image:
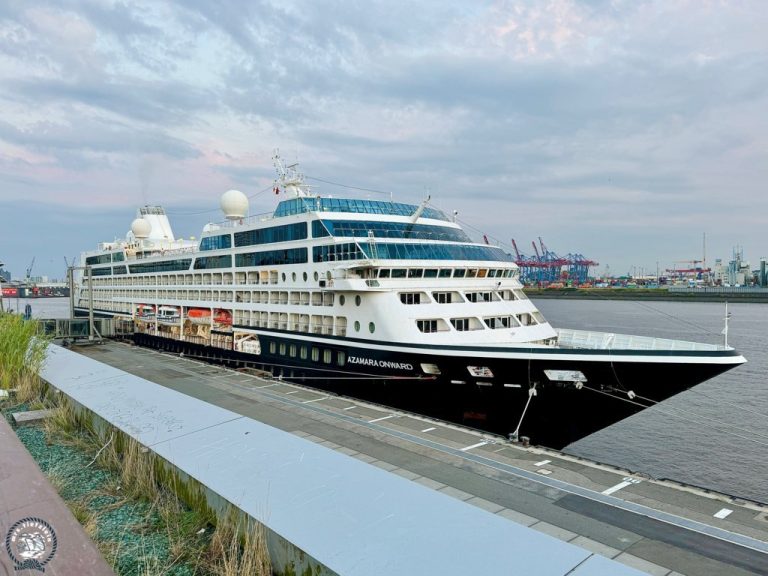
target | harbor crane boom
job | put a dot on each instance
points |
(29, 268)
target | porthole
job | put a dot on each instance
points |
(293, 276)
(357, 326)
(283, 276)
(317, 276)
(342, 299)
(371, 327)
(305, 276)
(358, 300)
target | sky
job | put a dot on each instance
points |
(624, 130)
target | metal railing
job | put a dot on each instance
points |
(607, 341)
(81, 328)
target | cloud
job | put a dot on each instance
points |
(588, 122)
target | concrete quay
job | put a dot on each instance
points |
(655, 527)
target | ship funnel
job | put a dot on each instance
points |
(234, 204)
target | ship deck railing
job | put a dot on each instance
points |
(568, 338)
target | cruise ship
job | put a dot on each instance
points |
(384, 301)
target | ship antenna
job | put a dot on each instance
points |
(289, 179)
(725, 328)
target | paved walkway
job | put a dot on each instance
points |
(658, 527)
(54, 538)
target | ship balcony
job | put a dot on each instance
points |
(585, 339)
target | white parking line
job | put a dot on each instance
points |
(315, 400)
(429, 429)
(483, 443)
(292, 392)
(620, 485)
(724, 513)
(350, 407)
(266, 386)
(382, 418)
(542, 463)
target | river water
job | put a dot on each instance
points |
(715, 435)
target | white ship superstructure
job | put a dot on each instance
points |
(375, 289)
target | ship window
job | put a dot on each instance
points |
(371, 327)
(430, 273)
(384, 273)
(499, 322)
(399, 273)
(342, 299)
(315, 354)
(284, 233)
(272, 347)
(341, 358)
(492, 274)
(480, 297)
(293, 276)
(358, 300)
(362, 229)
(461, 324)
(415, 273)
(292, 351)
(206, 262)
(410, 298)
(303, 353)
(305, 276)
(102, 259)
(482, 273)
(283, 276)
(272, 257)
(327, 356)
(459, 272)
(357, 326)
(472, 272)
(282, 349)
(444, 273)
(427, 325)
(216, 242)
(316, 276)
(446, 297)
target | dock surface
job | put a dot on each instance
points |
(656, 527)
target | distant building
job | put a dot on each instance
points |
(739, 271)
(5, 276)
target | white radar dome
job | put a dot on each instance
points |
(141, 228)
(234, 204)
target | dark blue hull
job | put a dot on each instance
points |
(492, 399)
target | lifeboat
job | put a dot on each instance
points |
(223, 317)
(203, 316)
(145, 311)
(168, 314)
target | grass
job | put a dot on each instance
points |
(118, 490)
(22, 353)
(131, 510)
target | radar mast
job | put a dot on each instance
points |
(289, 180)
